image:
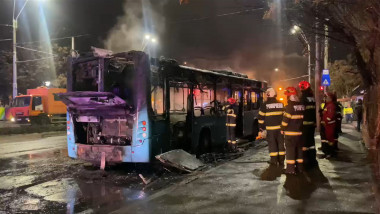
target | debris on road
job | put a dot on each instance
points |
(180, 159)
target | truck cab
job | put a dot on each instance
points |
(39, 106)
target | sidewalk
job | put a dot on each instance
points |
(235, 187)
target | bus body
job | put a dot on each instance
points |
(128, 108)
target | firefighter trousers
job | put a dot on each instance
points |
(310, 152)
(276, 146)
(329, 139)
(294, 153)
(231, 139)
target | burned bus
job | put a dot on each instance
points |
(127, 107)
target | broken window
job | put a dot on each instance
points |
(178, 99)
(158, 100)
(203, 101)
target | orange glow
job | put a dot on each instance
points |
(280, 89)
(282, 99)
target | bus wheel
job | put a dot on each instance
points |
(204, 144)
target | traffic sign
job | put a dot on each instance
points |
(326, 81)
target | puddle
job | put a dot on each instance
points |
(76, 194)
(10, 182)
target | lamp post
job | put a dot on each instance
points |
(14, 26)
(296, 29)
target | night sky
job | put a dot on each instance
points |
(203, 33)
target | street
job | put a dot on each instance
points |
(37, 176)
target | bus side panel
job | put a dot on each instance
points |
(71, 146)
(216, 126)
(141, 139)
(248, 118)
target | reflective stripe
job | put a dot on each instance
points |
(233, 142)
(281, 153)
(272, 154)
(231, 115)
(287, 115)
(228, 141)
(296, 117)
(308, 148)
(275, 113)
(273, 127)
(310, 107)
(299, 160)
(331, 122)
(293, 133)
(290, 161)
(261, 113)
(284, 124)
(230, 124)
(261, 121)
(324, 141)
(308, 122)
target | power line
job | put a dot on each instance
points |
(54, 39)
(294, 78)
(33, 60)
(29, 49)
(4, 40)
(220, 15)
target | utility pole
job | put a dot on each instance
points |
(326, 56)
(14, 85)
(317, 72)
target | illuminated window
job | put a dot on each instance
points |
(158, 100)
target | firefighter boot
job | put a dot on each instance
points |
(290, 169)
(300, 168)
(273, 160)
(281, 160)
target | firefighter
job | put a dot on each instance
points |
(329, 123)
(339, 117)
(309, 124)
(270, 117)
(291, 127)
(231, 111)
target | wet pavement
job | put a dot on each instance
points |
(36, 176)
(341, 185)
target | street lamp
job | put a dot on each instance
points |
(148, 39)
(296, 29)
(276, 69)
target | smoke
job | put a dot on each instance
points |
(139, 18)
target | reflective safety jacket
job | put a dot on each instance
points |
(348, 110)
(270, 114)
(292, 121)
(231, 113)
(309, 116)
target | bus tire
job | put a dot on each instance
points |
(204, 144)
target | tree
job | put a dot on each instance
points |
(32, 74)
(344, 77)
(357, 23)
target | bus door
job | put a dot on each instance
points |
(179, 115)
(207, 124)
(250, 113)
(160, 119)
(237, 95)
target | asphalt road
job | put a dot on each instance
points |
(36, 176)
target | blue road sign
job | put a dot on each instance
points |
(326, 81)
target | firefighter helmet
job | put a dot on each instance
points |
(290, 91)
(304, 85)
(271, 92)
(231, 100)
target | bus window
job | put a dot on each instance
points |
(178, 100)
(202, 101)
(158, 100)
(236, 95)
(246, 100)
(255, 96)
(222, 95)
